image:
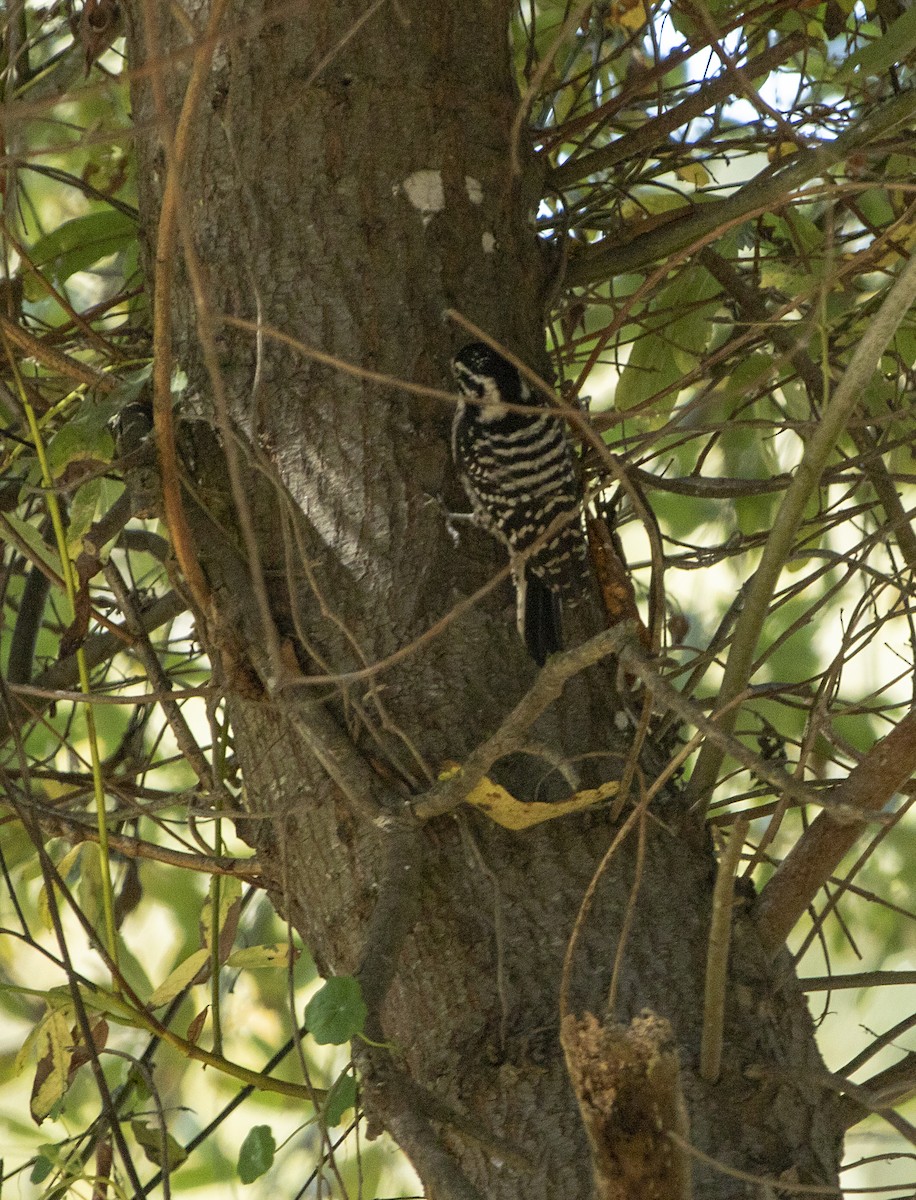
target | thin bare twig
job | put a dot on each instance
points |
(176, 146)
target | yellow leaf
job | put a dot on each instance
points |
(695, 173)
(180, 978)
(251, 957)
(781, 150)
(55, 1050)
(630, 14)
(64, 867)
(26, 1050)
(503, 808)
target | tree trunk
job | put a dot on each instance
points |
(345, 194)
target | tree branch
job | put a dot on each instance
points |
(175, 144)
(393, 1100)
(771, 189)
(815, 856)
(393, 917)
(511, 735)
(856, 979)
(668, 698)
(891, 1086)
(627, 1083)
(184, 738)
(646, 138)
(77, 830)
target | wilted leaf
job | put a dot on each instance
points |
(100, 25)
(630, 14)
(503, 808)
(81, 1052)
(694, 173)
(196, 1026)
(230, 909)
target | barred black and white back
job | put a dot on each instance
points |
(518, 470)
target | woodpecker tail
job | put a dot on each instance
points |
(540, 619)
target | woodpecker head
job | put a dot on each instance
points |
(487, 377)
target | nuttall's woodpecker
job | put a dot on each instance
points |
(517, 467)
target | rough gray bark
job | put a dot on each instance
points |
(295, 198)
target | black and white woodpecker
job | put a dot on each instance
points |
(517, 467)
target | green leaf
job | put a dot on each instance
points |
(336, 1012)
(108, 1003)
(252, 957)
(41, 1169)
(151, 1139)
(749, 374)
(695, 294)
(84, 437)
(878, 56)
(83, 509)
(678, 327)
(180, 978)
(256, 1153)
(650, 369)
(806, 235)
(132, 386)
(341, 1097)
(89, 885)
(76, 245)
(31, 538)
(69, 868)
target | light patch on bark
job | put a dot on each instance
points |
(474, 189)
(489, 242)
(425, 191)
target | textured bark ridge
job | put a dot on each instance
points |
(311, 198)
